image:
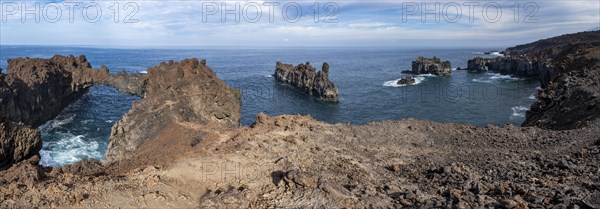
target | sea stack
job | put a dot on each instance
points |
(305, 78)
(433, 66)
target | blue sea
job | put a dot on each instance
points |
(366, 78)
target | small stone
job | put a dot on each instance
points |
(305, 180)
(518, 199)
(396, 168)
(409, 196)
(507, 203)
(559, 206)
(79, 198)
(405, 203)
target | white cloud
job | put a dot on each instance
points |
(180, 23)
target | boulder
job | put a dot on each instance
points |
(407, 81)
(183, 96)
(305, 78)
(431, 66)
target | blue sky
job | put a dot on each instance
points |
(278, 23)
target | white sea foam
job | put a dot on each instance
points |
(418, 79)
(269, 76)
(494, 78)
(482, 80)
(519, 112)
(69, 149)
(427, 75)
(497, 54)
(144, 72)
(56, 123)
(532, 96)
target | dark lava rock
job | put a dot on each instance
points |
(407, 81)
(431, 66)
(34, 91)
(305, 78)
(17, 143)
(133, 84)
(518, 66)
(570, 99)
(568, 68)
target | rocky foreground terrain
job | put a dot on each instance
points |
(192, 157)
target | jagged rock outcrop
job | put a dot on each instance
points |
(517, 66)
(17, 143)
(433, 66)
(572, 97)
(567, 67)
(133, 84)
(305, 78)
(34, 91)
(185, 96)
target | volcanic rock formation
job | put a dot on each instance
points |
(568, 70)
(305, 78)
(430, 66)
(34, 91)
(186, 96)
(17, 143)
(571, 99)
(518, 66)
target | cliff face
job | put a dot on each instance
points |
(572, 98)
(534, 60)
(34, 91)
(17, 143)
(518, 66)
(430, 66)
(568, 70)
(305, 78)
(185, 96)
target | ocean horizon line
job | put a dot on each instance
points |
(225, 47)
